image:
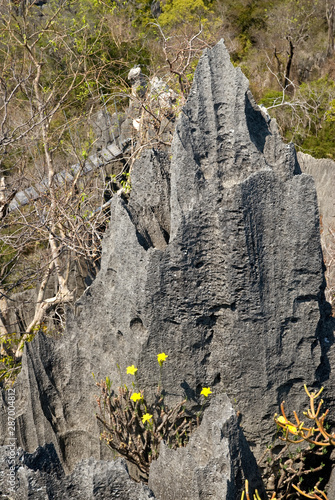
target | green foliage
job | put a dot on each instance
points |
(271, 98)
(320, 145)
(142, 15)
(126, 183)
(307, 117)
(330, 113)
(246, 18)
(180, 11)
(315, 131)
(9, 366)
(7, 257)
(251, 15)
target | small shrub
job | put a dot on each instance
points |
(134, 427)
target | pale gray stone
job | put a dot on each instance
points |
(40, 476)
(213, 465)
(215, 260)
(323, 173)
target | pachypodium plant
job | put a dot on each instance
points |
(316, 434)
(299, 463)
(246, 496)
(134, 428)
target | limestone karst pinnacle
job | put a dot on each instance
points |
(215, 260)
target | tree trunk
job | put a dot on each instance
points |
(330, 13)
(287, 81)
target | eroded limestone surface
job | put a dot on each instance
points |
(215, 260)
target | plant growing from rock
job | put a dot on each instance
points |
(8, 365)
(134, 427)
(246, 496)
(316, 434)
(293, 468)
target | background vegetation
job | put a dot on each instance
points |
(64, 61)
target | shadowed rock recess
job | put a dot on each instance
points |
(216, 261)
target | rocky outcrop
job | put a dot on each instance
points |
(215, 260)
(214, 464)
(19, 310)
(40, 476)
(323, 173)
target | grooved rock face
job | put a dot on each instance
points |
(323, 173)
(215, 260)
(40, 476)
(212, 466)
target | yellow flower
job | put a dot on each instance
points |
(131, 370)
(291, 428)
(282, 420)
(161, 358)
(206, 391)
(146, 417)
(136, 396)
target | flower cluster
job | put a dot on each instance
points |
(135, 428)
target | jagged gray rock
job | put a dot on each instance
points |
(40, 476)
(215, 260)
(323, 173)
(214, 464)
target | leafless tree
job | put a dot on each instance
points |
(35, 136)
(39, 129)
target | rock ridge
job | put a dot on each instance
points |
(215, 260)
